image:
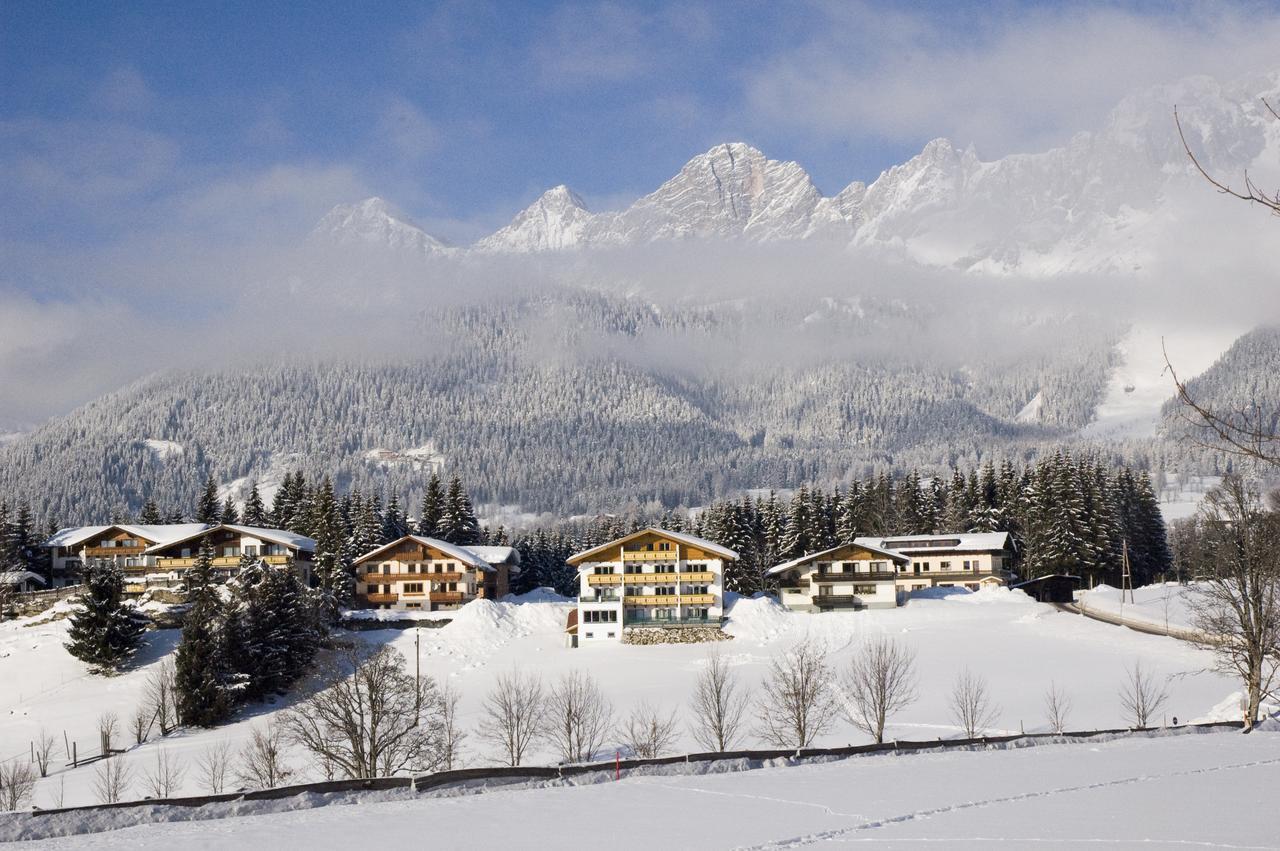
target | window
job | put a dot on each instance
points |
(386, 568)
(848, 567)
(924, 566)
(413, 605)
(879, 566)
(864, 589)
(664, 546)
(230, 551)
(611, 635)
(413, 588)
(251, 551)
(186, 552)
(944, 565)
(602, 569)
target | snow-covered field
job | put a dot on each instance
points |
(1017, 644)
(1166, 606)
(1210, 790)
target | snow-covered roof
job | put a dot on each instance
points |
(509, 556)
(681, 537)
(962, 542)
(804, 559)
(283, 537)
(466, 555)
(166, 533)
(17, 577)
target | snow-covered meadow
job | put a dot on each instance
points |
(1018, 645)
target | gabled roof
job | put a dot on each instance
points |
(285, 538)
(680, 537)
(17, 577)
(804, 559)
(509, 556)
(961, 542)
(166, 533)
(466, 555)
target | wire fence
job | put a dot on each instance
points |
(617, 767)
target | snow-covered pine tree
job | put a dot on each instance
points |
(333, 576)
(150, 515)
(255, 513)
(202, 670)
(458, 524)
(796, 540)
(395, 524)
(432, 509)
(209, 508)
(104, 631)
(230, 514)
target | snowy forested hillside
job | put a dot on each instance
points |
(577, 402)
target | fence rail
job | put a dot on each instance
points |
(427, 782)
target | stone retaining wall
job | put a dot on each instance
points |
(673, 635)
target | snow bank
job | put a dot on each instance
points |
(1162, 606)
(759, 618)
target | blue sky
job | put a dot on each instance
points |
(460, 113)
(161, 161)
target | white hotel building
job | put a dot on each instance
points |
(651, 578)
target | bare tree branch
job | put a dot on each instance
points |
(1251, 191)
(719, 705)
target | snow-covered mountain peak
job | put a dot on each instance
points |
(374, 221)
(558, 219)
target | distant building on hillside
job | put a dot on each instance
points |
(161, 554)
(847, 577)
(420, 573)
(650, 578)
(970, 560)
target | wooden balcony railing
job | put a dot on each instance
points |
(648, 555)
(374, 576)
(219, 561)
(669, 599)
(381, 598)
(843, 601)
(603, 579)
(870, 576)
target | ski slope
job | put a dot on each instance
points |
(1019, 645)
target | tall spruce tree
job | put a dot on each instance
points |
(104, 631)
(333, 576)
(432, 510)
(255, 514)
(458, 524)
(202, 671)
(209, 508)
(150, 515)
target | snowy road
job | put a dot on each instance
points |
(1211, 790)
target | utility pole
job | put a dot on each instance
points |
(1126, 575)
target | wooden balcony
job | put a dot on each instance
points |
(702, 576)
(670, 600)
(647, 555)
(444, 596)
(837, 601)
(603, 579)
(109, 552)
(374, 576)
(870, 576)
(381, 598)
(219, 561)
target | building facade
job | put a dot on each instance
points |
(419, 573)
(160, 555)
(844, 578)
(970, 560)
(650, 578)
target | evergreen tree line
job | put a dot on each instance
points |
(20, 540)
(246, 640)
(1065, 514)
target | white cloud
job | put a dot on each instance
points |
(1018, 82)
(406, 130)
(124, 90)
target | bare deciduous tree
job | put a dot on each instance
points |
(160, 696)
(42, 751)
(647, 733)
(375, 722)
(262, 759)
(1057, 706)
(164, 778)
(1252, 193)
(971, 706)
(796, 703)
(719, 706)
(139, 723)
(17, 780)
(577, 717)
(1236, 604)
(514, 714)
(111, 780)
(108, 728)
(1141, 697)
(880, 681)
(215, 765)
(452, 733)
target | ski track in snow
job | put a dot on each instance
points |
(873, 824)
